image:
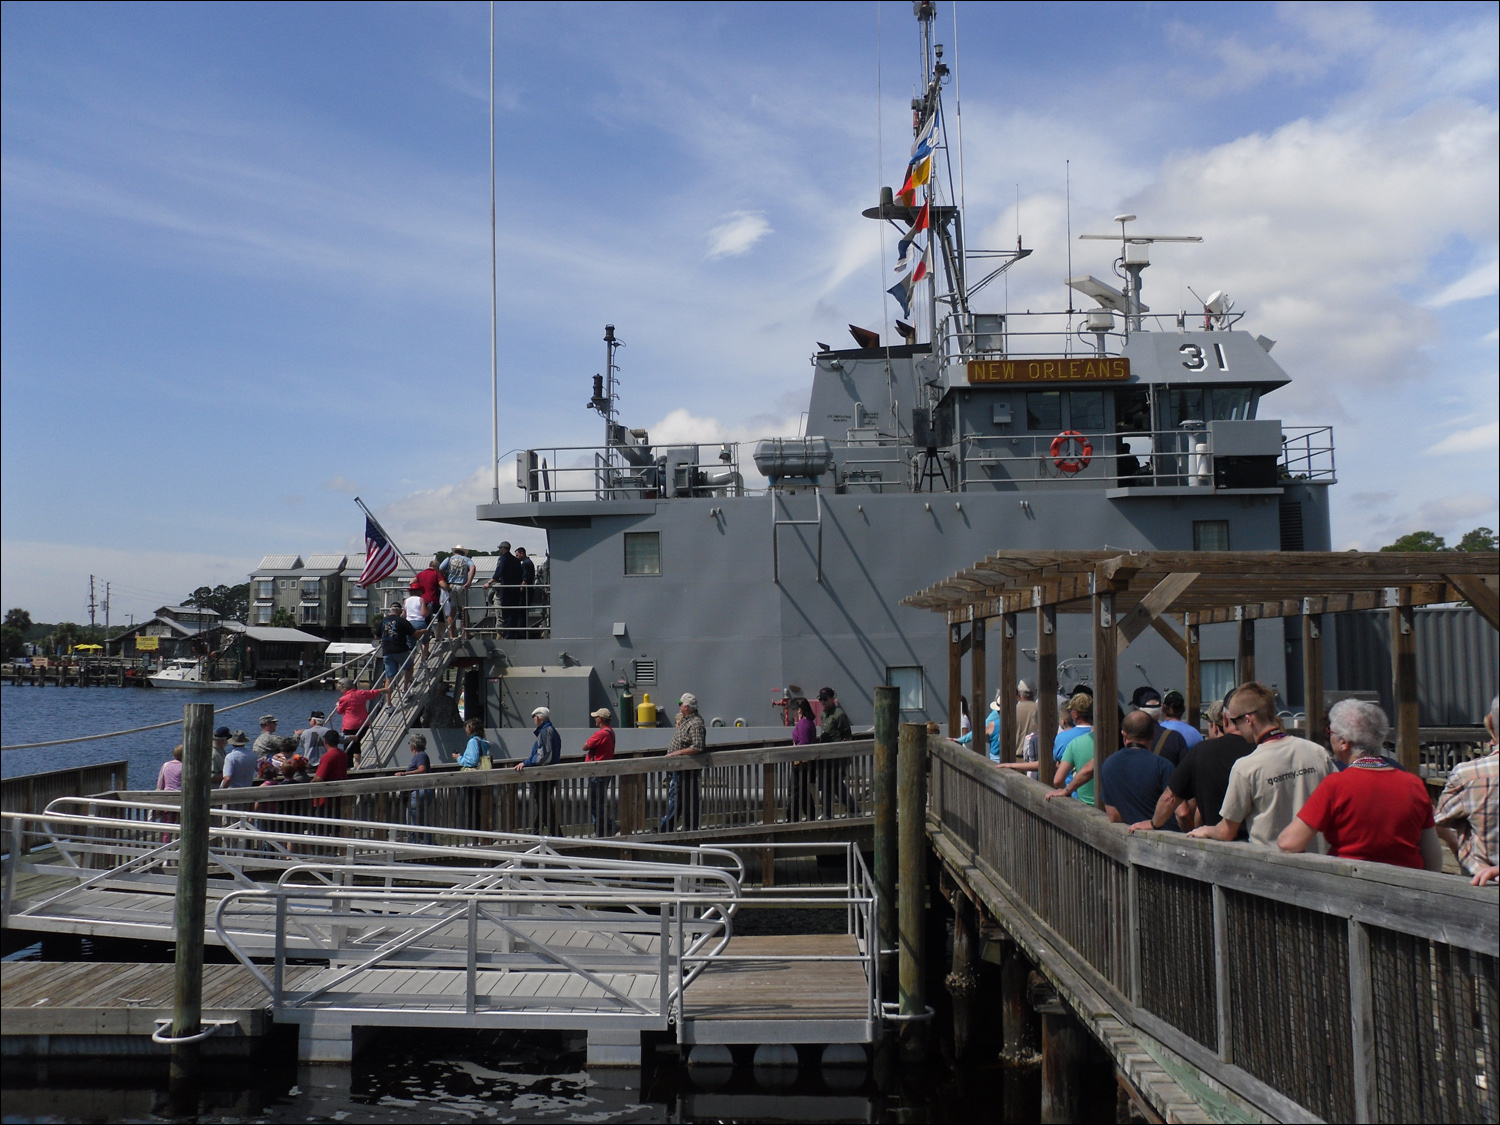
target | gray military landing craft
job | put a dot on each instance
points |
(680, 567)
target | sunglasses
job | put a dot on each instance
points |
(1236, 720)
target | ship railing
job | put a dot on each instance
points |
(629, 472)
(1122, 459)
(484, 611)
(1307, 454)
(801, 792)
(1058, 333)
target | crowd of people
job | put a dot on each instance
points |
(1250, 780)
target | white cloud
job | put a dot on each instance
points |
(1475, 440)
(737, 234)
(341, 483)
(434, 519)
(1483, 281)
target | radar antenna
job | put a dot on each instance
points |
(1135, 255)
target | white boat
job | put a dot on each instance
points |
(187, 673)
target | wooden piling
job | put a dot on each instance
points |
(192, 884)
(1065, 1053)
(1008, 646)
(1019, 1029)
(978, 674)
(1194, 675)
(963, 976)
(955, 675)
(911, 784)
(887, 718)
(1106, 690)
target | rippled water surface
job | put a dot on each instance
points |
(40, 714)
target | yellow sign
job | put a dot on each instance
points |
(1089, 369)
(146, 644)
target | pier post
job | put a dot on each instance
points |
(1312, 672)
(1046, 690)
(887, 712)
(1194, 675)
(1404, 683)
(1244, 668)
(963, 976)
(1065, 1055)
(1019, 1033)
(912, 789)
(1005, 721)
(1106, 689)
(1008, 647)
(978, 674)
(192, 887)
(955, 675)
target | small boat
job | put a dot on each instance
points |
(188, 673)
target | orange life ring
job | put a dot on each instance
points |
(1072, 464)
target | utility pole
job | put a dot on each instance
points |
(91, 604)
(106, 611)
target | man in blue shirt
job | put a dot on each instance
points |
(239, 764)
(1173, 706)
(1133, 778)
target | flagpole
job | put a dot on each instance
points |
(494, 280)
(388, 538)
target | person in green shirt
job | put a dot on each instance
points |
(1078, 760)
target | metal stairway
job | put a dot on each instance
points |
(386, 728)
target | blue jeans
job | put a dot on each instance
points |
(688, 783)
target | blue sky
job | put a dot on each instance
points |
(244, 249)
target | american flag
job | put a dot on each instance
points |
(380, 556)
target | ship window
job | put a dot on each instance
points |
(1230, 403)
(643, 552)
(1086, 411)
(1186, 406)
(1044, 410)
(1216, 678)
(908, 681)
(1210, 535)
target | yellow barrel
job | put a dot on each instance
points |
(645, 712)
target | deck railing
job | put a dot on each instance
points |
(33, 792)
(770, 791)
(1314, 986)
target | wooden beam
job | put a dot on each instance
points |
(1194, 689)
(1244, 668)
(1170, 635)
(1046, 691)
(1009, 644)
(1404, 683)
(1006, 722)
(977, 676)
(1312, 675)
(1106, 690)
(1479, 594)
(955, 675)
(1155, 603)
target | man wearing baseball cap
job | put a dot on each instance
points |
(310, 739)
(265, 742)
(600, 747)
(689, 739)
(546, 750)
(221, 747)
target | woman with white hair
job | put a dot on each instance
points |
(1373, 810)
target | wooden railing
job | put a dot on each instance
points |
(33, 792)
(1313, 986)
(769, 791)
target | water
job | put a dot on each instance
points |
(37, 714)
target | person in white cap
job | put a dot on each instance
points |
(689, 739)
(546, 750)
(600, 747)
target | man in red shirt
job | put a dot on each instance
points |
(1373, 810)
(334, 766)
(600, 747)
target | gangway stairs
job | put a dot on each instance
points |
(374, 927)
(385, 731)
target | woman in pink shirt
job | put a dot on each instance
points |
(801, 800)
(354, 706)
